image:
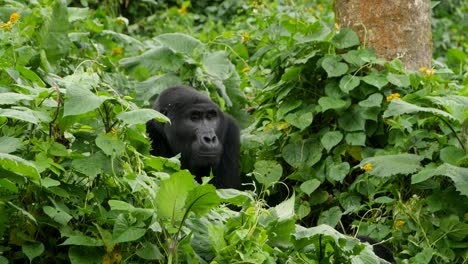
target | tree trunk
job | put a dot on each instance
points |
(393, 28)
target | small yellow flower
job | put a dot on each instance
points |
(399, 223)
(113, 131)
(367, 167)
(426, 71)
(310, 10)
(246, 69)
(6, 26)
(182, 10)
(393, 96)
(117, 51)
(245, 36)
(14, 17)
(320, 7)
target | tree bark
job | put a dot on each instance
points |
(393, 28)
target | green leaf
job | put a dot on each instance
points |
(201, 199)
(19, 166)
(331, 103)
(267, 172)
(399, 80)
(346, 38)
(172, 195)
(32, 250)
(302, 153)
(353, 120)
(155, 85)
(356, 138)
(287, 107)
(233, 196)
(300, 119)
(331, 139)
(110, 144)
(390, 165)
(82, 240)
(154, 60)
(399, 107)
(374, 100)
(330, 217)
(338, 172)
(376, 79)
(349, 82)
(333, 67)
(90, 166)
(149, 251)
(9, 144)
(57, 214)
(14, 98)
(217, 65)
(125, 231)
(26, 115)
(54, 34)
(458, 175)
(8, 185)
(141, 116)
(179, 42)
(75, 101)
(285, 210)
(310, 186)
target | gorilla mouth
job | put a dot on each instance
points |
(207, 154)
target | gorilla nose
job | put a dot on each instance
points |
(209, 139)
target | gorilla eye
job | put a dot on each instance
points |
(195, 116)
(211, 114)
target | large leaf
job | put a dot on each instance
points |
(110, 144)
(32, 250)
(302, 153)
(333, 67)
(172, 195)
(155, 85)
(154, 60)
(458, 175)
(202, 199)
(390, 165)
(81, 100)
(346, 38)
(141, 116)
(267, 172)
(54, 34)
(125, 230)
(349, 82)
(26, 115)
(179, 42)
(376, 79)
(331, 139)
(217, 65)
(19, 166)
(300, 119)
(13, 98)
(399, 107)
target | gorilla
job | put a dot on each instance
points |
(207, 138)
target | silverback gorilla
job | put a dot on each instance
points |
(207, 138)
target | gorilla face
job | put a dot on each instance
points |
(207, 139)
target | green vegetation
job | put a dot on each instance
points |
(335, 141)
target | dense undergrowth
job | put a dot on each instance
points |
(336, 142)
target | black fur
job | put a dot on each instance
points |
(207, 138)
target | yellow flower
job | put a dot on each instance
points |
(310, 10)
(246, 69)
(399, 223)
(367, 167)
(320, 7)
(426, 71)
(117, 51)
(182, 10)
(245, 36)
(6, 26)
(393, 96)
(14, 17)
(113, 131)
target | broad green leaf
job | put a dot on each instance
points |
(331, 139)
(346, 38)
(287, 107)
(338, 172)
(79, 256)
(110, 144)
(300, 119)
(201, 199)
(458, 175)
(8, 185)
(26, 115)
(399, 107)
(310, 186)
(291, 73)
(118, 205)
(330, 217)
(80, 100)
(355, 57)
(125, 231)
(233, 196)
(302, 153)
(154, 60)
(284, 210)
(32, 249)
(332, 103)
(57, 214)
(353, 120)
(19, 166)
(14, 98)
(356, 138)
(374, 100)
(141, 116)
(217, 65)
(30, 75)
(54, 34)
(375, 79)
(90, 166)
(267, 172)
(390, 165)
(349, 82)
(179, 42)
(149, 251)
(399, 80)
(155, 85)
(333, 67)
(172, 195)
(82, 240)
(9, 144)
